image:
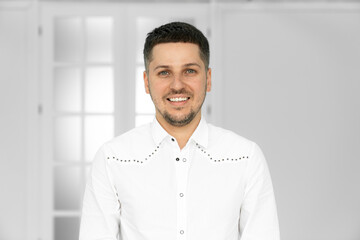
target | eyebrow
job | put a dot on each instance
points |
(192, 64)
(185, 65)
(161, 66)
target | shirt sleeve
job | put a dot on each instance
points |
(101, 208)
(258, 214)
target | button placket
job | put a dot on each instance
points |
(182, 167)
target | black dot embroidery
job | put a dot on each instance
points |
(137, 160)
(222, 159)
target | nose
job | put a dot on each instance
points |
(177, 82)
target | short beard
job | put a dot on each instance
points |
(179, 122)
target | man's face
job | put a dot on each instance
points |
(177, 82)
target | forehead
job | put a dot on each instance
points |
(175, 53)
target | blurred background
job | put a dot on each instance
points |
(286, 74)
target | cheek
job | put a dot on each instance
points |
(157, 89)
(201, 89)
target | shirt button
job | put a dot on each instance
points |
(172, 139)
(181, 194)
(181, 231)
(184, 159)
(177, 159)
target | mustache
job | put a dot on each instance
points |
(181, 91)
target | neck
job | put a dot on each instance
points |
(183, 133)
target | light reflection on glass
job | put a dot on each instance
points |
(68, 39)
(67, 89)
(67, 180)
(99, 39)
(67, 138)
(99, 90)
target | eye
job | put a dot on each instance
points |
(163, 73)
(190, 71)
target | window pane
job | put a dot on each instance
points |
(68, 39)
(67, 139)
(99, 90)
(67, 188)
(99, 32)
(67, 89)
(98, 130)
(66, 228)
(143, 101)
(143, 119)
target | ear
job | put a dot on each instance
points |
(146, 82)
(208, 80)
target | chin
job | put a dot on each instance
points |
(179, 120)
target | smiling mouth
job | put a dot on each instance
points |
(180, 99)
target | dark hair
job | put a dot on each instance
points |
(176, 32)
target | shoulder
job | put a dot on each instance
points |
(141, 133)
(223, 137)
(226, 144)
(131, 144)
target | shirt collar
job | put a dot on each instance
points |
(158, 132)
(200, 135)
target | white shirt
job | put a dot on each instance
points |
(143, 187)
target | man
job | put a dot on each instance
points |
(179, 177)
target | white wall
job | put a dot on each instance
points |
(13, 124)
(291, 82)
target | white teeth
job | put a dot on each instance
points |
(177, 99)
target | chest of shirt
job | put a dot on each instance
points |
(205, 181)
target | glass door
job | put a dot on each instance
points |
(78, 99)
(92, 90)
